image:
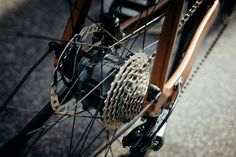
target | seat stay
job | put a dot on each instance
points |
(166, 45)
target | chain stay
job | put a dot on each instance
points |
(205, 57)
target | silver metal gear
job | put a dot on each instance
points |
(126, 94)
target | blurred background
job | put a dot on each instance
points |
(203, 123)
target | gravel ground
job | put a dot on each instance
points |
(202, 124)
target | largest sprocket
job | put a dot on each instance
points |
(126, 94)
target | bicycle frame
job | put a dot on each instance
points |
(161, 61)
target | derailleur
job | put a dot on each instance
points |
(147, 136)
(150, 134)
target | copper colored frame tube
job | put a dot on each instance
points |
(76, 20)
(183, 70)
(166, 45)
(134, 23)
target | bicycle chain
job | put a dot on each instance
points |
(181, 25)
(189, 13)
(207, 53)
(183, 20)
(127, 91)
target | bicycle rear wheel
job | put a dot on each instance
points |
(56, 145)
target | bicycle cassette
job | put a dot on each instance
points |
(126, 94)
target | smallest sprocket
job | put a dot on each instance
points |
(126, 94)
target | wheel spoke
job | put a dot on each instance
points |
(145, 27)
(86, 137)
(125, 127)
(87, 130)
(97, 118)
(51, 124)
(109, 144)
(72, 133)
(96, 137)
(106, 31)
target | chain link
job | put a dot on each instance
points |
(189, 13)
(182, 23)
